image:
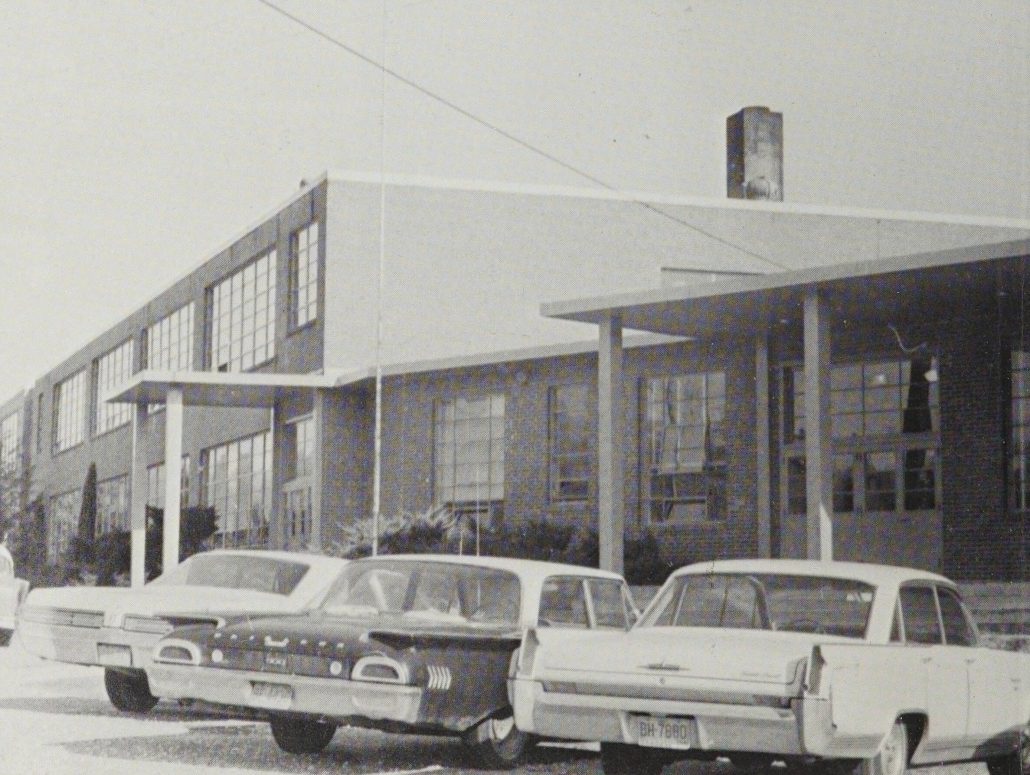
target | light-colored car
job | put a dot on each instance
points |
(118, 627)
(838, 665)
(402, 643)
(12, 593)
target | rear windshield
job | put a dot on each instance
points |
(434, 591)
(261, 574)
(765, 602)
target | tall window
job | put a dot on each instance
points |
(69, 426)
(298, 516)
(109, 370)
(241, 317)
(469, 455)
(63, 523)
(113, 504)
(570, 456)
(236, 480)
(39, 424)
(1019, 455)
(885, 417)
(871, 399)
(684, 422)
(304, 275)
(10, 445)
(10, 461)
(156, 484)
(169, 341)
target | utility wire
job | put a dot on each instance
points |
(508, 135)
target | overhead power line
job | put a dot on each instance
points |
(508, 135)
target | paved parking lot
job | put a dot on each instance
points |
(56, 719)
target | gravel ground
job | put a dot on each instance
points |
(55, 720)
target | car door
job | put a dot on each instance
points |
(992, 702)
(947, 682)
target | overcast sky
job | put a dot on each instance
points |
(138, 137)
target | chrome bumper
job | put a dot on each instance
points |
(104, 646)
(331, 698)
(802, 729)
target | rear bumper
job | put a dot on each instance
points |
(62, 643)
(331, 698)
(103, 646)
(802, 729)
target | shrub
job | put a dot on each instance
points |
(439, 531)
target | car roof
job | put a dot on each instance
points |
(867, 572)
(538, 568)
(278, 554)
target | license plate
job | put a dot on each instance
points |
(114, 655)
(272, 696)
(658, 732)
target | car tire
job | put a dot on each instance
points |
(497, 744)
(301, 735)
(892, 758)
(1015, 763)
(623, 759)
(129, 692)
(5, 637)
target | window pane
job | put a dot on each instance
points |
(920, 612)
(957, 631)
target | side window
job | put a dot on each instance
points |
(919, 607)
(563, 603)
(609, 603)
(957, 631)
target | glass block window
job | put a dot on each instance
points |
(880, 398)
(10, 445)
(113, 504)
(570, 449)
(469, 455)
(69, 423)
(685, 448)
(241, 317)
(304, 275)
(236, 479)
(111, 369)
(62, 524)
(156, 484)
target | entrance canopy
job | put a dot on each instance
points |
(214, 388)
(890, 288)
(175, 390)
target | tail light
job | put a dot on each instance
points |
(527, 653)
(815, 671)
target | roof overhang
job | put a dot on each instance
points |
(753, 301)
(212, 388)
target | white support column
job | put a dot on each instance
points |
(173, 461)
(818, 431)
(138, 502)
(610, 480)
(762, 445)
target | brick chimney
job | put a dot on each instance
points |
(754, 154)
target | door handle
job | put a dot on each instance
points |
(926, 660)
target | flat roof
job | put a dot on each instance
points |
(214, 388)
(722, 302)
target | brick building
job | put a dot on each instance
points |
(785, 373)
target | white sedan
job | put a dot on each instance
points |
(118, 627)
(12, 593)
(807, 663)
